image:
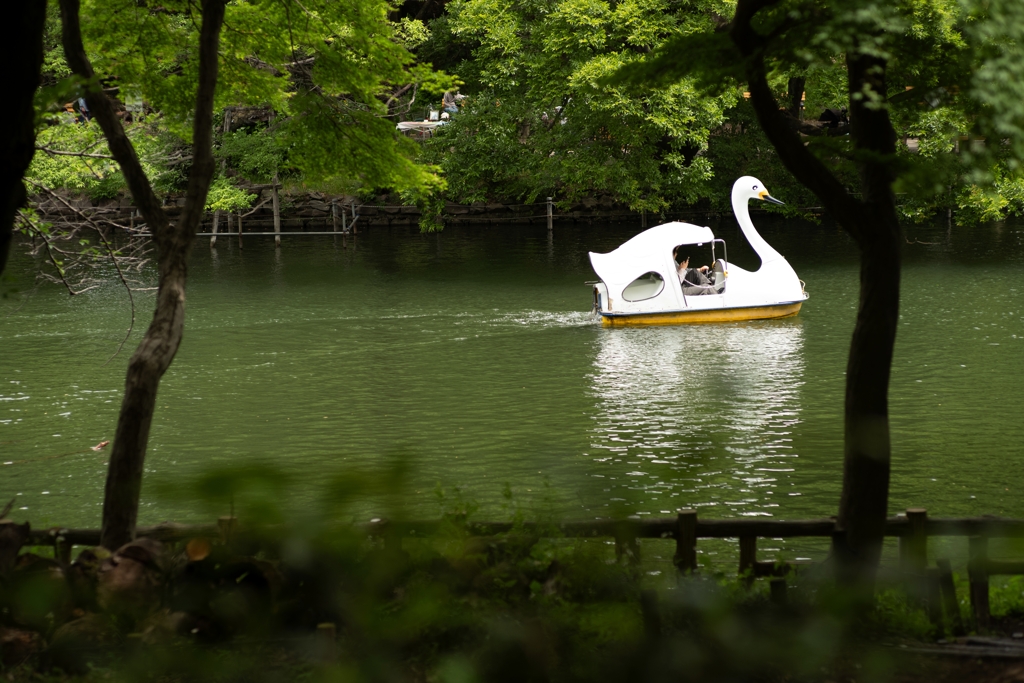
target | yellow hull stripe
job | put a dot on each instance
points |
(715, 315)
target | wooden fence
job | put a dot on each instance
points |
(934, 585)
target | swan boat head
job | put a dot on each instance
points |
(748, 187)
(743, 190)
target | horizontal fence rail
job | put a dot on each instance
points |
(934, 586)
(664, 528)
(283, 233)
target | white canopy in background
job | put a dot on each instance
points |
(419, 125)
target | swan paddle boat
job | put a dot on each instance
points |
(641, 283)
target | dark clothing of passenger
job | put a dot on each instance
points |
(696, 283)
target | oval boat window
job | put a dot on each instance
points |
(646, 286)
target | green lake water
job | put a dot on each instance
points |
(473, 356)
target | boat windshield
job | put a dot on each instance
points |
(701, 267)
(699, 255)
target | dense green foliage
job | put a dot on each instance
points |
(950, 91)
(544, 114)
(741, 148)
(320, 68)
(539, 121)
(450, 606)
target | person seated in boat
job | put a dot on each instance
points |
(694, 281)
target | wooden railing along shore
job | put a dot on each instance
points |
(912, 529)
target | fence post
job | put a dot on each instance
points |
(326, 642)
(748, 556)
(778, 591)
(948, 589)
(12, 538)
(223, 165)
(934, 598)
(216, 219)
(551, 215)
(977, 572)
(334, 213)
(651, 613)
(914, 546)
(226, 525)
(626, 545)
(62, 551)
(914, 554)
(277, 214)
(240, 230)
(686, 541)
(355, 230)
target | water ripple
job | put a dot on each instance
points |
(699, 403)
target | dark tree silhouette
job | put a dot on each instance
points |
(21, 50)
(873, 223)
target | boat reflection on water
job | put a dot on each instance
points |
(696, 416)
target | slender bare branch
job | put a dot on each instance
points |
(257, 207)
(127, 288)
(398, 93)
(113, 259)
(60, 152)
(39, 232)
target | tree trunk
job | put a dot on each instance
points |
(873, 223)
(21, 51)
(867, 451)
(159, 345)
(796, 96)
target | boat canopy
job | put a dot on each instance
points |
(647, 251)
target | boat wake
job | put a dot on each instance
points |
(547, 319)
